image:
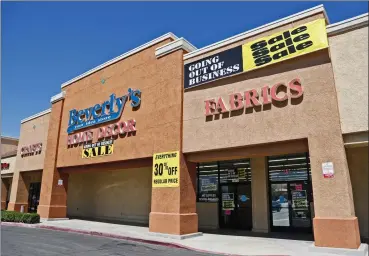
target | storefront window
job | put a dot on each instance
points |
(289, 167)
(235, 171)
(227, 172)
(207, 183)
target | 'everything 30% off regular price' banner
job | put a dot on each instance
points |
(165, 170)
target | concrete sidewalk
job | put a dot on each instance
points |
(220, 244)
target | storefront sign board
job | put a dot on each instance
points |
(281, 46)
(285, 45)
(103, 148)
(31, 149)
(165, 170)
(107, 111)
(5, 166)
(250, 98)
(213, 67)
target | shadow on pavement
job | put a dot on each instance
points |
(110, 221)
(232, 232)
(278, 235)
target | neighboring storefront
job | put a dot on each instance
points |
(272, 141)
(8, 155)
(265, 131)
(27, 173)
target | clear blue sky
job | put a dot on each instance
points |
(47, 43)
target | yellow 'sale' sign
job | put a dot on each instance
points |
(98, 149)
(285, 45)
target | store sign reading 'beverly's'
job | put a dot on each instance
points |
(101, 113)
(259, 53)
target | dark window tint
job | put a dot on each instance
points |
(289, 167)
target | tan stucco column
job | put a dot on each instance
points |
(335, 223)
(53, 198)
(173, 210)
(260, 198)
(19, 193)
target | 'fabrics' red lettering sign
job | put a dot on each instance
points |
(254, 98)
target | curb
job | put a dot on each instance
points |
(108, 235)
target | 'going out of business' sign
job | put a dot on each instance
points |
(281, 46)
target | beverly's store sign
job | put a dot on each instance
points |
(259, 53)
(101, 113)
(253, 98)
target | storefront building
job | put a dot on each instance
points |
(8, 155)
(265, 131)
(29, 163)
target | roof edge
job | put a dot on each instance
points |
(47, 111)
(120, 57)
(9, 154)
(258, 30)
(177, 44)
(348, 24)
(9, 138)
(57, 97)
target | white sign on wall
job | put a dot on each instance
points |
(60, 182)
(328, 170)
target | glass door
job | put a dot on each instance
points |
(227, 183)
(280, 205)
(290, 206)
(34, 196)
(244, 206)
(290, 192)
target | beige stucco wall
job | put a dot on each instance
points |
(32, 132)
(349, 54)
(114, 195)
(251, 127)
(11, 162)
(314, 117)
(358, 165)
(208, 215)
